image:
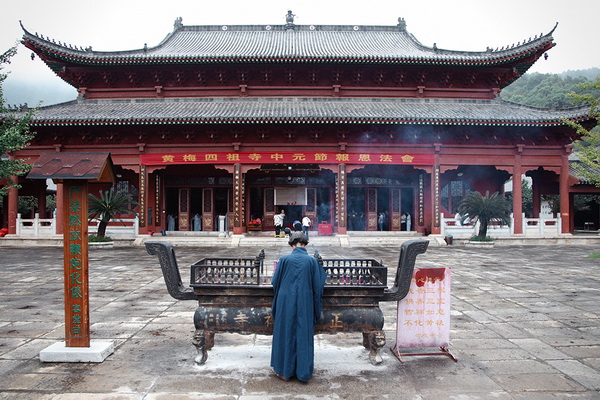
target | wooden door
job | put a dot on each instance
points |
(396, 212)
(310, 210)
(371, 209)
(184, 209)
(269, 209)
(207, 209)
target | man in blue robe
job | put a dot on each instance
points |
(298, 284)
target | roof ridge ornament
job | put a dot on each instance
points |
(289, 20)
(401, 24)
(178, 24)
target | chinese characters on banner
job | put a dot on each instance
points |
(76, 266)
(266, 157)
(424, 314)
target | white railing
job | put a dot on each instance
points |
(532, 227)
(541, 227)
(37, 227)
(118, 228)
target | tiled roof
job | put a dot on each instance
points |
(575, 167)
(292, 44)
(94, 166)
(301, 110)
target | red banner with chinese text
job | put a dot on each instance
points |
(282, 157)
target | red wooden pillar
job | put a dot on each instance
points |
(42, 200)
(76, 275)
(13, 208)
(341, 199)
(563, 185)
(537, 197)
(518, 193)
(60, 211)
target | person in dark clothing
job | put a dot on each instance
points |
(298, 283)
(297, 226)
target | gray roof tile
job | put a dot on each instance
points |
(303, 44)
(301, 110)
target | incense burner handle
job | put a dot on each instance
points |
(170, 270)
(406, 265)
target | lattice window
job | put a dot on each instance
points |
(372, 200)
(452, 194)
(127, 187)
(207, 201)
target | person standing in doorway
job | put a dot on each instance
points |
(278, 220)
(298, 284)
(305, 225)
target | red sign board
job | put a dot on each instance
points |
(283, 157)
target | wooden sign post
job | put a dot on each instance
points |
(76, 273)
(74, 171)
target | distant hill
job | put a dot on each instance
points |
(591, 73)
(548, 90)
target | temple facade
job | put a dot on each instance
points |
(360, 128)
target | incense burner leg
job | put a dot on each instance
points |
(209, 337)
(203, 340)
(374, 342)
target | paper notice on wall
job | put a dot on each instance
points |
(424, 314)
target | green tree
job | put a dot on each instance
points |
(485, 209)
(526, 196)
(110, 205)
(14, 134)
(588, 148)
(543, 90)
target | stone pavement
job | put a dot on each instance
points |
(525, 325)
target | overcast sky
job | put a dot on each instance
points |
(110, 25)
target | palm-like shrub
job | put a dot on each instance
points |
(110, 205)
(485, 209)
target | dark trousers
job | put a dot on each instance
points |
(277, 230)
(305, 230)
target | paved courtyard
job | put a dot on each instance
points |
(525, 325)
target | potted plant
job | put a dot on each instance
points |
(484, 209)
